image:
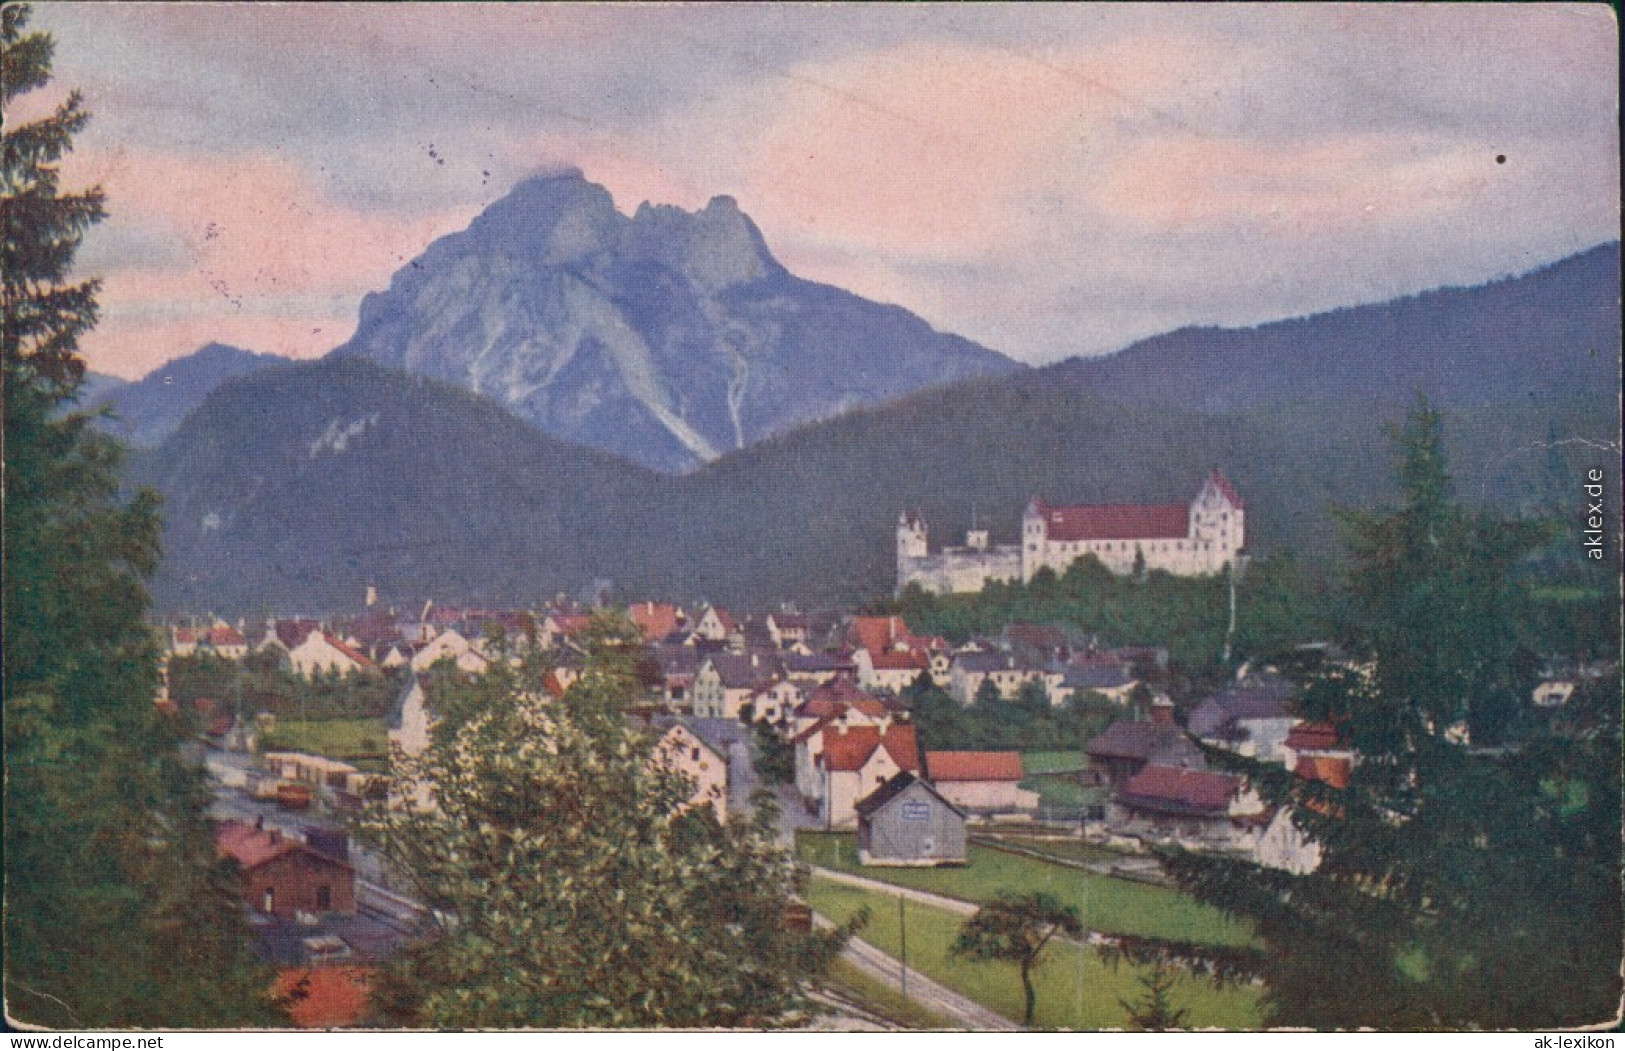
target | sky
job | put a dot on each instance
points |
(1048, 180)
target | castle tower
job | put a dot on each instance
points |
(911, 545)
(1218, 517)
(1034, 538)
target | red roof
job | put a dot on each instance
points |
(973, 766)
(851, 749)
(356, 655)
(249, 845)
(570, 623)
(325, 997)
(1223, 483)
(877, 634)
(185, 635)
(655, 619)
(1197, 789)
(1331, 770)
(1313, 737)
(226, 636)
(1116, 521)
(893, 661)
(252, 846)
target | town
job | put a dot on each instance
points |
(861, 729)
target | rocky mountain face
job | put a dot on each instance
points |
(151, 409)
(667, 337)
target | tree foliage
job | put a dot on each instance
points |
(1460, 885)
(118, 912)
(1015, 928)
(578, 890)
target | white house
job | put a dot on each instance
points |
(450, 644)
(682, 750)
(321, 652)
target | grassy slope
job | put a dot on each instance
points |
(1106, 904)
(1076, 989)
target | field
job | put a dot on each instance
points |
(1076, 989)
(1050, 762)
(1107, 904)
(346, 739)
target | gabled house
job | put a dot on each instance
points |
(716, 625)
(775, 702)
(454, 646)
(788, 629)
(283, 876)
(657, 620)
(970, 669)
(322, 652)
(1249, 719)
(1111, 681)
(981, 783)
(223, 640)
(853, 762)
(818, 668)
(907, 822)
(1197, 809)
(724, 683)
(683, 750)
(891, 670)
(1123, 749)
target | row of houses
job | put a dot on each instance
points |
(1162, 790)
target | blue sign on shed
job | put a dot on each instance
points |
(914, 810)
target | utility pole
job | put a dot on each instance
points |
(1237, 567)
(902, 929)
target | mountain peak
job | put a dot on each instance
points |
(668, 336)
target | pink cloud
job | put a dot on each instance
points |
(269, 259)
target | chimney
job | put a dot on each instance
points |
(1162, 711)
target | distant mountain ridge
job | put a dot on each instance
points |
(1549, 334)
(667, 337)
(151, 409)
(322, 477)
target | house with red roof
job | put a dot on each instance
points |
(657, 620)
(849, 763)
(1315, 751)
(981, 783)
(1196, 809)
(716, 625)
(284, 876)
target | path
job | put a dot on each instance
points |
(955, 1007)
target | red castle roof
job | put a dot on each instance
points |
(1116, 521)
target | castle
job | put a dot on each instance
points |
(1184, 539)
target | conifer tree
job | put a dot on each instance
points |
(1460, 886)
(118, 912)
